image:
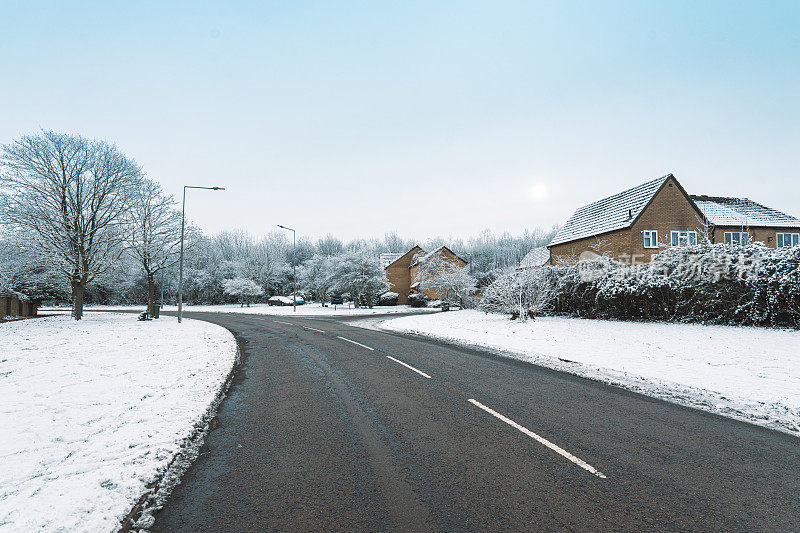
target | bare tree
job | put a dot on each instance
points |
(69, 193)
(155, 232)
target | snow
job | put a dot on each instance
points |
(747, 373)
(95, 410)
(309, 309)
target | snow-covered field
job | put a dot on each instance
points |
(751, 374)
(310, 309)
(93, 411)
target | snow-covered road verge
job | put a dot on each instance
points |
(309, 309)
(748, 373)
(94, 411)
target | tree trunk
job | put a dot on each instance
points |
(78, 289)
(151, 293)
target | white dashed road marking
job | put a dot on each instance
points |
(313, 329)
(281, 322)
(358, 343)
(420, 372)
(583, 464)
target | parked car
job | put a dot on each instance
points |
(279, 300)
(285, 300)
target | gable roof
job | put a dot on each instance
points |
(399, 256)
(609, 214)
(423, 258)
(727, 211)
(535, 258)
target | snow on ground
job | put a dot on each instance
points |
(93, 410)
(747, 373)
(309, 309)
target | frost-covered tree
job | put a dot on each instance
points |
(155, 232)
(25, 271)
(360, 274)
(523, 294)
(69, 193)
(316, 277)
(329, 246)
(246, 290)
(446, 278)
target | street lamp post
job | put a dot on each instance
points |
(294, 263)
(180, 268)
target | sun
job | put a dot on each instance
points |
(539, 191)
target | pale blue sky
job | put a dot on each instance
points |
(425, 118)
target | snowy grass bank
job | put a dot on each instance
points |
(748, 373)
(94, 411)
(310, 309)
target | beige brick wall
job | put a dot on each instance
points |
(616, 243)
(398, 275)
(757, 234)
(669, 211)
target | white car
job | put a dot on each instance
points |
(285, 300)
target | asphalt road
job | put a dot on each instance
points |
(319, 433)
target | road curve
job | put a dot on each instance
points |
(333, 427)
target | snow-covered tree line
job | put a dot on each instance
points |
(717, 284)
(81, 222)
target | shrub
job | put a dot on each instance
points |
(388, 298)
(417, 300)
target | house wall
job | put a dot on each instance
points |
(615, 242)
(398, 275)
(670, 210)
(757, 234)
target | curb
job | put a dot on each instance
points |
(159, 489)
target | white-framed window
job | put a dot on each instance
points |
(650, 238)
(787, 240)
(737, 237)
(684, 238)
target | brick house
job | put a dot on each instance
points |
(632, 226)
(398, 272)
(404, 272)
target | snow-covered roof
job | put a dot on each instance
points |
(535, 258)
(726, 211)
(609, 214)
(424, 258)
(388, 258)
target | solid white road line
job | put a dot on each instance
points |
(542, 440)
(280, 322)
(313, 329)
(420, 372)
(354, 342)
